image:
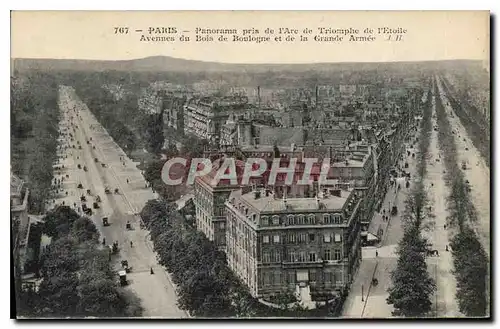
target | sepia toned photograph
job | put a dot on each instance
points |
(250, 164)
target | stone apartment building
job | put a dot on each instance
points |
(19, 217)
(306, 246)
(173, 111)
(354, 167)
(204, 117)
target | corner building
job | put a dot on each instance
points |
(306, 246)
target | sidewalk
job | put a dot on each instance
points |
(378, 262)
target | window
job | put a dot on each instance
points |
(328, 277)
(276, 239)
(312, 219)
(327, 237)
(302, 256)
(327, 255)
(292, 256)
(264, 221)
(300, 220)
(312, 275)
(326, 218)
(302, 237)
(312, 256)
(276, 220)
(336, 219)
(266, 257)
(291, 277)
(267, 278)
(277, 278)
(222, 225)
(292, 238)
(265, 239)
(312, 237)
(277, 257)
(338, 237)
(337, 254)
(291, 219)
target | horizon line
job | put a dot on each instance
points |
(234, 63)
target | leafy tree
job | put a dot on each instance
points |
(58, 221)
(470, 262)
(153, 131)
(412, 286)
(83, 229)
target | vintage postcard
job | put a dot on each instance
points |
(246, 164)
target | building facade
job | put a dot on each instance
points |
(173, 111)
(205, 116)
(306, 246)
(19, 217)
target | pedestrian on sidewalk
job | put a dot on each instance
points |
(446, 247)
(152, 271)
(131, 244)
(376, 253)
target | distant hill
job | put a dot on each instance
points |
(165, 63)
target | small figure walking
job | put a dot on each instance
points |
(445, 226)
(152, 271)
(131, 244)
(127, 180)
(376, 253)
(447, 248)
(103, 241)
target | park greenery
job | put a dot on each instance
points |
(77, 277)
(469, 257)
(205, 284)
(412, 287)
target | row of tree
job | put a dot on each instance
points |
(77, 278)
(470, 259)
(474, 121)
(34, 133)
(205, 285)
(412, 287)
(112, 113)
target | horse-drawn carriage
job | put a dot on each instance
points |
(114, 248)
(125, 266)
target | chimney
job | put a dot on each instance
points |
(258, 97)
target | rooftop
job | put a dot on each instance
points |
(272, 204)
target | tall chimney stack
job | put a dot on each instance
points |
(258, 97)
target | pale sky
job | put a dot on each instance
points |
(431, 35)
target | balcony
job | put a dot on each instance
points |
(303, 264)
